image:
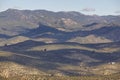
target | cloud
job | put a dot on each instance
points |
(16, 7)
(118, 12)
(88, 10)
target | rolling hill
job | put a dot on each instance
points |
(46, 45)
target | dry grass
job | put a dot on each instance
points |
(59, 47)
(108, 50)
(5, 54)
(62, 46)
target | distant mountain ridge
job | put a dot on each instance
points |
(41, 44)
(66, 20)
(61, 26)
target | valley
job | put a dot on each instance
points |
(46, 45)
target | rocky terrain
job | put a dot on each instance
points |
(45, 45)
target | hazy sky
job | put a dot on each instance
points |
(99, 7)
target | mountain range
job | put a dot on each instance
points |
(59, 26)
(40, 43)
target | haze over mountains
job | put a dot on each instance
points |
(41, 42)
